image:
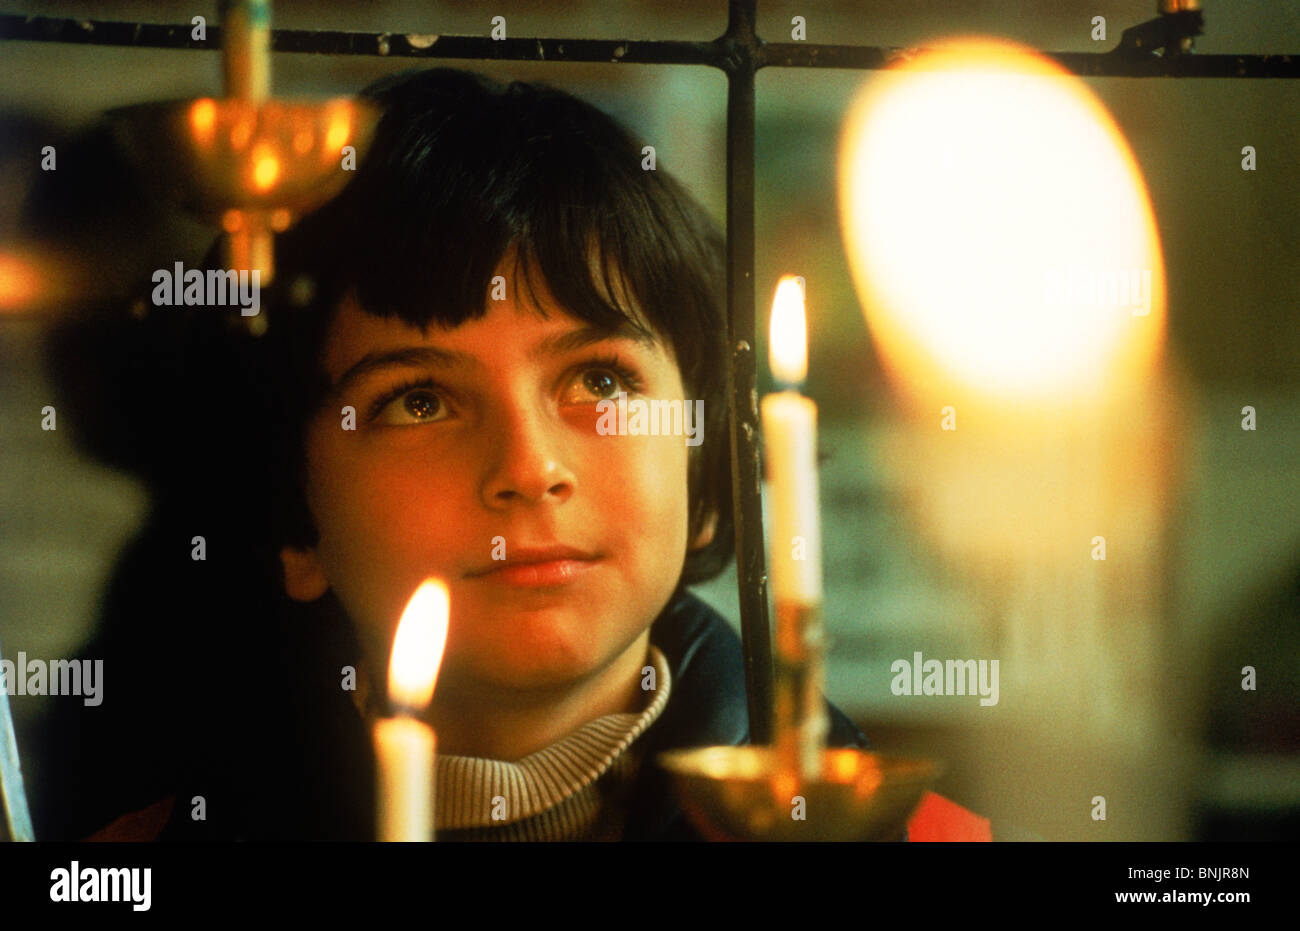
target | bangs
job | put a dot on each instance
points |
(463, 173)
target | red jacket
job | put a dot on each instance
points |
(937, 819)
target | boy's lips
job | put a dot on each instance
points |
(536, 567)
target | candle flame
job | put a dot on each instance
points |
(788, 336)
(418, 645)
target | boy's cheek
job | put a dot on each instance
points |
(587, 420)
(644, 503)
(378, 542)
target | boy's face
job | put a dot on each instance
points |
(479, 442)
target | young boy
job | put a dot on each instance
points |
(438, 349)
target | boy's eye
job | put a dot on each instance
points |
(600, 383)
(596, 384)
(410, 406)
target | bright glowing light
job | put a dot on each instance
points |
(20, 282)
(418, 645)
(266, 169)
(336, 135)
(999, 232)
(203, 120)
(788, 334)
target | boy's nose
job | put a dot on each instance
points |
(528, 465)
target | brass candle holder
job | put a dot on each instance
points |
(247, 161)
(250, 167)
(797, 789)
(744, 793)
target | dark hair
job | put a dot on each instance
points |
(460, 169)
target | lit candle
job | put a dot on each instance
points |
(405, 745)
(790, 450)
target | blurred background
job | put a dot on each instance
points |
(1119, 678)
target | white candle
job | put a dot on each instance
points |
(405, 745)
(790, 450)
(790, 446)
(404, 750)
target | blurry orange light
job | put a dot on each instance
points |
(203, 120)
(337, 133)
(20, 282)
(266, 170)
(241, 132)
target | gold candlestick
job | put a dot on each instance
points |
(800, 721)
(796, 789)
(246, 69)
(247, 161)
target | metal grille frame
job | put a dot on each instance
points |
(739, 53)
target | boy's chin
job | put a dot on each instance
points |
(527, 676)
(541, 657)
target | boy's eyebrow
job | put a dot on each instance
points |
(405, 356)
(582, 337)
(555, 345)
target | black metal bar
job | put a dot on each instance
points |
(483, 48)
(382, 44)
(741, 47)
(622, 51)
(1083, 64)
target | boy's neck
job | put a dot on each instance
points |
(477, 726)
